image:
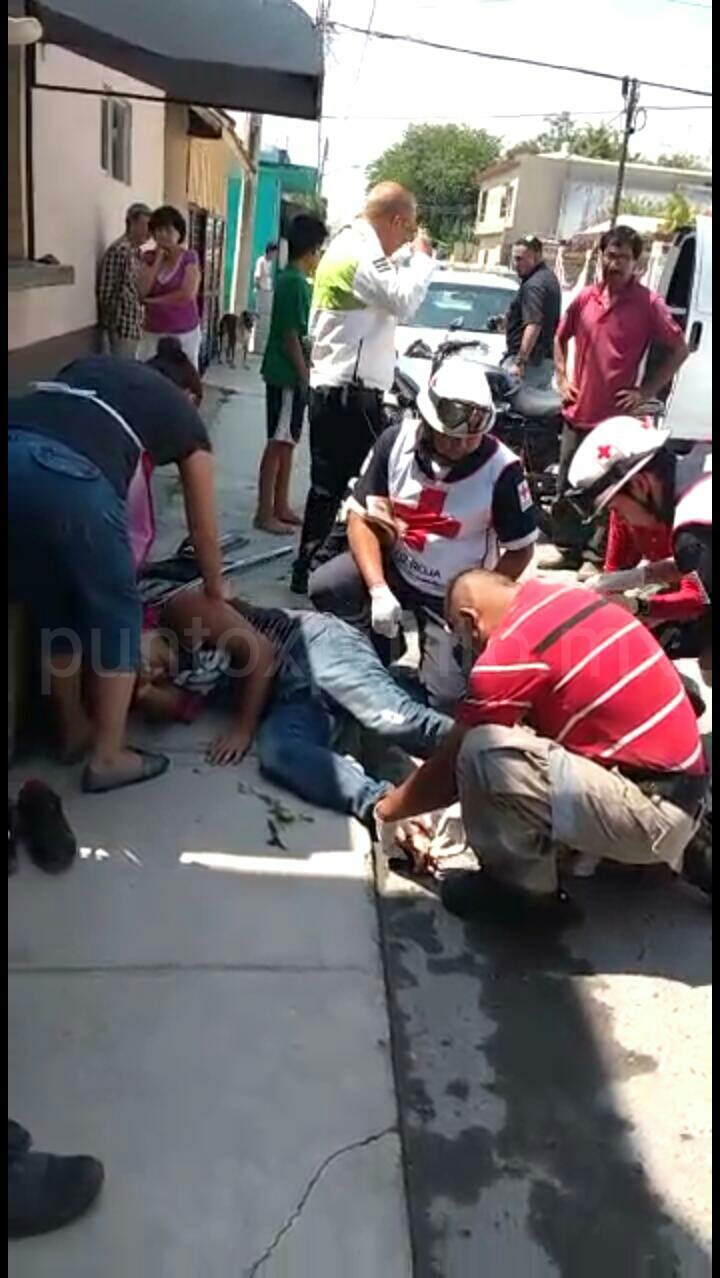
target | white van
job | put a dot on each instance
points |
(686, 285)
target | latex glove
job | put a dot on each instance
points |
(385, 611)
(616, 583)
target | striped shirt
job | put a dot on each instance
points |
(584, 673)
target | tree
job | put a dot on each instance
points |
(682, 160)
(672, 212)
(440, 163)
(594, 141)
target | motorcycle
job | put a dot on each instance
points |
(528, 420)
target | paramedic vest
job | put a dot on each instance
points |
(443, 528)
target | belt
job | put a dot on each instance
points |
(684, 791)
(353, 392)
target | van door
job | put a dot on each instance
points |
(686, 285)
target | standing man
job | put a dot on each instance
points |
(359, 297)
(264, 282)
(120, 307)
(613, 324)
(532, 316)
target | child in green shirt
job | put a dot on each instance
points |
(285, 371)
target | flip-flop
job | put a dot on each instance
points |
(152, 766)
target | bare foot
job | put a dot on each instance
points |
(272, 525)
(289, 517)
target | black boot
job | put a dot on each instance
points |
(19, 1140)
(46, 1191)
(44, 829)
(474, 894)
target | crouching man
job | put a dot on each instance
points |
(575, 733)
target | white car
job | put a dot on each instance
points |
(461, 303)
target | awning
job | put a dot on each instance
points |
(245, 55)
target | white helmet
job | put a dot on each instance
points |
(457, 400)
(608, 458)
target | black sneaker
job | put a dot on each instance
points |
(46, 1191)
(299, 578)
(19, 1140)
(473, 894)
(43, 828)
(12, 838)
(697, 859)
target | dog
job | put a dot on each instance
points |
(234, 330)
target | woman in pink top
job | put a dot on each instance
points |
(168, 282)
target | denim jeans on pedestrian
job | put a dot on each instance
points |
(329, 672)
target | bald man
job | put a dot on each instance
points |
(575, 732)
(358, 298)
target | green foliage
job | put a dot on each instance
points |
(440, 163)
(682, 160)
(595, 141)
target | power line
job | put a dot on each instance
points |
(361, 59)
(507, 57)
(519, 115)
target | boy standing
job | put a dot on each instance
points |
(285, 371)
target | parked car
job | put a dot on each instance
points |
(686, 285)
(470, 304)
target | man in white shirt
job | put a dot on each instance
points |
(264, 282)
(358, 298)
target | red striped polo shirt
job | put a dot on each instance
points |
(581, 671)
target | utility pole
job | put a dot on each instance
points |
(631, 98)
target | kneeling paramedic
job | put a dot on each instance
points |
(660, 530)
(575, 733)
(438, 494)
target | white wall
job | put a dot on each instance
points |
(79, 209)
(584, 203)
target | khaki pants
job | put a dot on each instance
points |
(522, 796)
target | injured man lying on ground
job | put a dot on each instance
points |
(576, 736)
(305, 686)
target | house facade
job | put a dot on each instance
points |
(75, 163)
(555, 196)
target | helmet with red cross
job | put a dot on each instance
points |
(608, 458)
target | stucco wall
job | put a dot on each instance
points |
(79, 209)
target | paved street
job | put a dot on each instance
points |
(218, 1019)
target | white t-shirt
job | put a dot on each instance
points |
(263, 274)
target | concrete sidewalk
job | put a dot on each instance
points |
(204, 1011)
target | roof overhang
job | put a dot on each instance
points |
(247, 55)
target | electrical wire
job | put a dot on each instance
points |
(510, 58)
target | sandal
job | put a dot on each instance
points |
(151, 766)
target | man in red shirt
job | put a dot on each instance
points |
(613, 324)
(576, 732)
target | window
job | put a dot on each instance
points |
(469, 306)
(116, 138)
(506, 200)
(482, 210)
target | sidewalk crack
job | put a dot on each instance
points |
(317, 1175)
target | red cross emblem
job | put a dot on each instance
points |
(426, 519)
(604, 452)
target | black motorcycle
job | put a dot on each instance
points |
(527, 420)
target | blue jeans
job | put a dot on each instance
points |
(69, 558)
(330, 672)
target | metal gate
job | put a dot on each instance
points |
(206, 234)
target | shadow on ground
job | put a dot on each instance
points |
(520, 1159)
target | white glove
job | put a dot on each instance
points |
(616, 583)
(385, 611)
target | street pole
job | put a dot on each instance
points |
(631, 97)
